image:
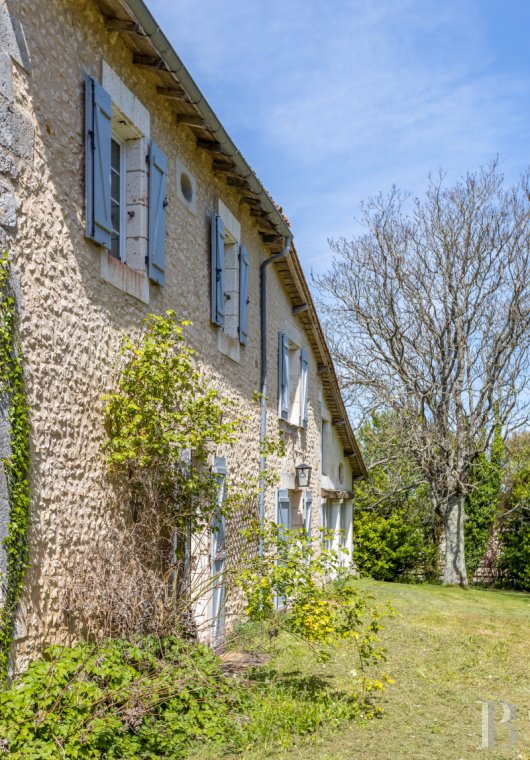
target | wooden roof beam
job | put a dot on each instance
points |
(189, 120)
(237, 182)
(152, 62)
(172, 93)
(124, 25)
(270, 239)
(212, 146)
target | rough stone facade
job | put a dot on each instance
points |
(74, 310)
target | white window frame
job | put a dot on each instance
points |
(228, 336)
(122, 239)
(131, 127)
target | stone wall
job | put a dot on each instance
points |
(73, 318)
(16, 151)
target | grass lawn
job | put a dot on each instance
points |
(448, 650)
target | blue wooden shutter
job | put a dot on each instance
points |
(219, 555)
(157, 215)
(283, 376)
(98, 116)
(304, 364)
(243, 295)
(284, 520)
(218, 267)
(284, 517)
(308, 503)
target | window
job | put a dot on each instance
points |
(293, 512)
(117, 198)
(229, 283)
(293, 365)
(294, 509)
(231, 286)
(125, 195)
(337, 517)
(186, 186)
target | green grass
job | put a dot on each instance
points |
(448, 650)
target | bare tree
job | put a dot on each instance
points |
(429, 316)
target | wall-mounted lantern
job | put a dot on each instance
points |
(303, 475)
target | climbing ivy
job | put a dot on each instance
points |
(16, 465)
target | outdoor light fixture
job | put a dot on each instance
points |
(303, 475)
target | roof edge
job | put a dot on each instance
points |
(176, 67)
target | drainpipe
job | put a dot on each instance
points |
(263, 424)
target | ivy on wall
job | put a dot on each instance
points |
(16, 465)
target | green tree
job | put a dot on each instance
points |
(395, 531)
(514, 521)
(483, 503)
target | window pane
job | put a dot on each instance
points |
(115, 155)
(115, 246)
(115, 185)
(115, 215)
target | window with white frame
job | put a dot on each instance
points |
(294, 509)
(229, 282)
(337, 516)
(125, 181)
(117, 197)
(231, 286)
(293, 364)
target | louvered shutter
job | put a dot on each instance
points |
(218, 265)
(98, 130)
(304, 364)
(283, 376)
(157, 215)
(243, 295)
(308, 503)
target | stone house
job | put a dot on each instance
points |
(121, 195)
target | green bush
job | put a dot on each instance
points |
(162, 699)
(483, 503)
(119, 700)
(389, 547)
(514, 563)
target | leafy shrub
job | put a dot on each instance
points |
(483, 503)
(388, 547)
(514, 563)
(119, 700)
(297, 570)
(514, 521)
(159, 699)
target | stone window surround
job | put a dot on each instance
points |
(131, 124)
(293, 423)
(228, 336)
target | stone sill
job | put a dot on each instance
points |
(229, 346)
(122, 277)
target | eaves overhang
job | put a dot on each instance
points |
(152, 51)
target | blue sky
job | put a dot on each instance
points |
(332, 102)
